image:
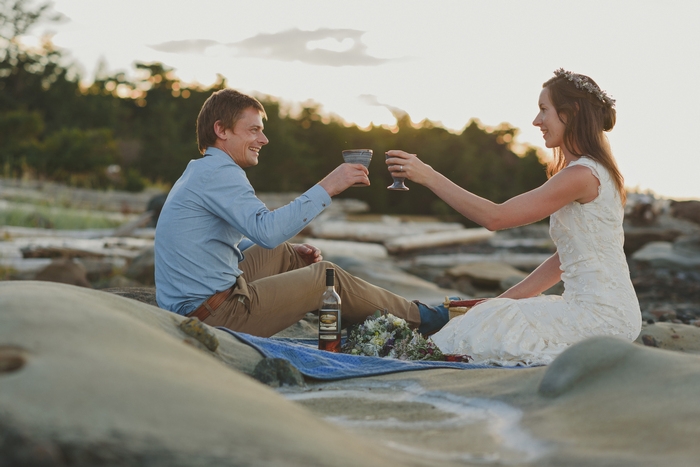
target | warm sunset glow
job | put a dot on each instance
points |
(446, 61)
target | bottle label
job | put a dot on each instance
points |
(328, 321)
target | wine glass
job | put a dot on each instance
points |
(398, 184)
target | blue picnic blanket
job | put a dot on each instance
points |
(319, 364)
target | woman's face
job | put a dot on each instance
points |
(549, 122)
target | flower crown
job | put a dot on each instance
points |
(582, 83)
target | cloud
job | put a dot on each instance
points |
(371, 99)
(186, 46)
(330, 47)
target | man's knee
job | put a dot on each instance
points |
(323, 265)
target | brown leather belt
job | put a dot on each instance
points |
(204, 310)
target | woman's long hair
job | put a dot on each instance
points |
(585, 117)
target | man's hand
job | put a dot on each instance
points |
(343, 177)
(309, 253)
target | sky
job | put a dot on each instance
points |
(446, 61)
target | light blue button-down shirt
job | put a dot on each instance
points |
(209, 210)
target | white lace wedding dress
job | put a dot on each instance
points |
(598, 299)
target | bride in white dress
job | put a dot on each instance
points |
(584, 198)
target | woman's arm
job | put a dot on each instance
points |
(572, 184)
(545, 276)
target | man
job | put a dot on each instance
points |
(200, 268)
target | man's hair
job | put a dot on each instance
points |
(226, 106)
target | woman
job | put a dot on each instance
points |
(584, 197)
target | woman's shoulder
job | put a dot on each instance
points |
(596, 167)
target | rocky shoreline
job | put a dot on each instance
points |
(91, 378)
(92, 373)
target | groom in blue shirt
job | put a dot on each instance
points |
(212, 213)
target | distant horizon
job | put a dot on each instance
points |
(446, 61)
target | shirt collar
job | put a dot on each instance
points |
(218, 153)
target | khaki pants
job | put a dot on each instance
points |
(277, 289)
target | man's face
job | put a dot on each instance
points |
(243, 143)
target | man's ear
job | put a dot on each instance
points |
(220, 130)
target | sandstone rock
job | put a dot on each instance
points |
(663, 255)
(306, 328)
(141, 294)
(65, 271)
(689, 210)
(388, 276)
(120, 282)
(687, 245)
(110, 382)
(582, 361)
(142, 267)
(677, 337)
(637, 237)
(487, 274)
(155, 206)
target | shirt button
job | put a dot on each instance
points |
(305, 219)
(323, 204)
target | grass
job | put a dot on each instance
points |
(58, 218)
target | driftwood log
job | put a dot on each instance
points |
(436, 239)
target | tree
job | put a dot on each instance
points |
(75, 156)
(53, 126)
(19, 137)
(23, 70)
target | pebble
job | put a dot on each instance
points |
(649, 341)
(11, 359)
(276, 372)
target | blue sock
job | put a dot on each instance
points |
(432, 318)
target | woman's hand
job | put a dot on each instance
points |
(309, 253)
(403, 164)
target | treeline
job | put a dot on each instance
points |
(125, 133)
